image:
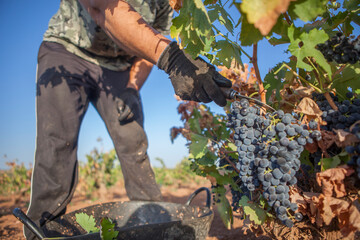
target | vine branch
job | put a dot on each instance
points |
(257, 74)
(287, 18)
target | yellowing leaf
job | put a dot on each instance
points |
(264, 13)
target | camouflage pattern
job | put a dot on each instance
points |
(73, 27)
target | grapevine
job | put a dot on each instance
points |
(269, 163)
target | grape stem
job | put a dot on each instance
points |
(257, 74)
(330, 100)
(232, 164)
(339, 70)
(287, 18)
(297, 75)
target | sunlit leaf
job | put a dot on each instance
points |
(255, 213)
(86, 222)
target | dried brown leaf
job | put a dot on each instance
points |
(302, 91)
(327, 139)
(354, 219)
(243, 79)
(309, 107)
(345, 138)
(311, 147)
(176, 4)
(332, 180)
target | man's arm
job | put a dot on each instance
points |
(139, 72)
(127, 28)
(192, 79)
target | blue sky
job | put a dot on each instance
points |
(23, 25)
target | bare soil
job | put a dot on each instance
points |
(11, 228)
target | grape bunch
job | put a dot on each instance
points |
(354, 151)
(341, 49)
(345, 118)
(347, 114)
(269, 147)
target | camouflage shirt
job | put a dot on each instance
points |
(73, 27)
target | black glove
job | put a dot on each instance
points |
(192, 79)
(128, 105)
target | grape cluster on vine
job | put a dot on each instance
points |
(354, 150)
(347, 116)
(341, 49)
(269, 147)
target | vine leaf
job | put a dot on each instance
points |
(224, 207)
(249, 34)
(349, 78)
(86, 222)
(273, 82)
(330, 162)
(308, 10)
(218, 12)
(264, 13)
(198, 146)
(193, 27)
(332, 180)
(303, 45)
(226, 52)
(351, 4)
(309, 107)
(107, 231)
(255, 213)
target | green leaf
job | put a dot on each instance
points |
(330, 162)
(201, 19)
(349, 78)
(280, 28)
(308, 42)
(207, 160)
(86, 222)
(255, 213)
(198, 146)
(224, 208)
(249, 34)
(226, 52)
(107, 231)
(307, 10)
(194, 125)
(178, 24)
(273, 82)
(351, 4)
(304, 158)
(217, 12)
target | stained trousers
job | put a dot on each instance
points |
(66, 84)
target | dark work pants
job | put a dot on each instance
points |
(66, 84)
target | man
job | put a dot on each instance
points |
(101, 52)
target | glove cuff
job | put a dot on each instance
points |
(167, 58)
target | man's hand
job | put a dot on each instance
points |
(194, 80)
(128, 106)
